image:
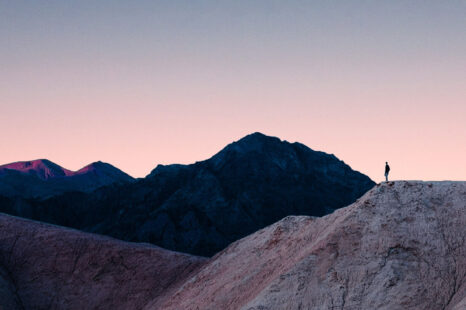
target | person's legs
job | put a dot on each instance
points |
(386, 177)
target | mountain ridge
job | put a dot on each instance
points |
(36, 167)
(43, 178)
(247, 144)
(202, 207)
(42, 168)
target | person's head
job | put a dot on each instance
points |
(386, 163)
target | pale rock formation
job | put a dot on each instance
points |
(400, 246)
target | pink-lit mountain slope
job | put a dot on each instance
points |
(42, 168)
(43, 178)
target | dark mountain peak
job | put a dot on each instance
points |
(257, 137)
(255, 142)
(259, 150)
(98, 165)
(102, 168)
(274, 147)
(166, 169)
(42, 168)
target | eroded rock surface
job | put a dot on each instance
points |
(57, 268)
(401, 246)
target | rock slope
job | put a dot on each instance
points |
(401, 246)
(8, 297)
(203, 207)
(50, 267)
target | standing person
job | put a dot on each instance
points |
(387, 170)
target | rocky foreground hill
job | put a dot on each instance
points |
(50, 267)
(400, 246)
(203, 207)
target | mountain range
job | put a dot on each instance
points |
(203, 207)
(42, 178)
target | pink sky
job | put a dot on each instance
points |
(138, 85)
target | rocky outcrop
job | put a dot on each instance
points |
(58, 268)
(400, 246)
(42, 178)
(203, 207)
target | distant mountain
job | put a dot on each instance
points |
(42, 168)
(203, 207)
(42, 178)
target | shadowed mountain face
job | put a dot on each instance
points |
(201, 208)
(42, 178)
(400, 246)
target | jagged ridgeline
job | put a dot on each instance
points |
(203, 207)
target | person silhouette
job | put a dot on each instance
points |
(387, 170)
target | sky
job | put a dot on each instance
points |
(141, 83)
